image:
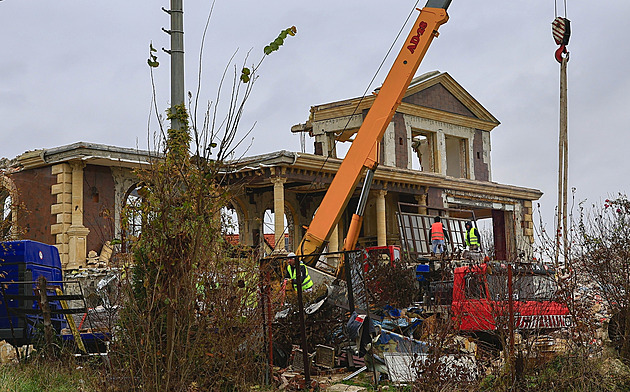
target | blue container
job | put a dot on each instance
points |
(421, 270)
(26, 261)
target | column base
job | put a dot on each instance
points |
(77, 252)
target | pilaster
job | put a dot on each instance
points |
(77, 233)
(62, 209)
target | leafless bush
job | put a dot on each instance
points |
(601, 265)
(389, 283)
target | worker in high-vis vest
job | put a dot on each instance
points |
(307, 283)
(437, 235)
(472, 237)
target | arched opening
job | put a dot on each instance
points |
(131, 217)
(7, 223)
(270, 242)
(9, 207)
(229, 220)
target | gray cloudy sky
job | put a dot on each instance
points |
(75, 70)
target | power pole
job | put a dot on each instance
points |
(177, 98)
(177, 56)
(561, 29)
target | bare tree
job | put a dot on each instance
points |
(190, 312)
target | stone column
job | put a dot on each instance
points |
(77, 233)
(278, 212)
(440, 160)
(422, 201)
(333, 246)
(381, 219)
(333, 242)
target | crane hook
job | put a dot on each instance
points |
(562, 50)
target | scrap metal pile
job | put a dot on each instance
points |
(367, 322)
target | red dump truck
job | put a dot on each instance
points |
(476, 296)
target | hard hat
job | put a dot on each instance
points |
(291, 254)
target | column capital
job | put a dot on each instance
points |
(77, 164)
(278, 180)
(381, 192)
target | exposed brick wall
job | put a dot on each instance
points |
(438, 97)
(434, 198)
(402, 144)
(482, 172)
(98, 205)
(319, 150)
(34, 216)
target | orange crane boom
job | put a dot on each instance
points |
(363, 151)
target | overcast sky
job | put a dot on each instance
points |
(75, 70)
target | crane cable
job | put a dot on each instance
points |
(561, 29)
(389, 51)
(555, 6)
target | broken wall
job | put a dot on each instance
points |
(98, 205)
(35, 218)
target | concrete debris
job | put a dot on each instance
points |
(466, 344)
(296, 382)
(345, 388)
(106, 252)
(92, 258)
(7, 353)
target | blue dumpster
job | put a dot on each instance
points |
(21, 264)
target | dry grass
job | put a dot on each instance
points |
(51, 377)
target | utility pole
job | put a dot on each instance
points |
(177, 57)
(177, 98)
(561, 29)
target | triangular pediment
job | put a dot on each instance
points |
(439, 91)
(434, 95)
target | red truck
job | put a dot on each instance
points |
(477, 296)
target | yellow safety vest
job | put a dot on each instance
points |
(471, 238)
(307, 283)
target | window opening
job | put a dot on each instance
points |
(423, 145)
(456, 157)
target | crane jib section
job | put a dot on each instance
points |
(371, 131)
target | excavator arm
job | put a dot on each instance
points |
(362, 152)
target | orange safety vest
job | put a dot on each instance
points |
(437, 231)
